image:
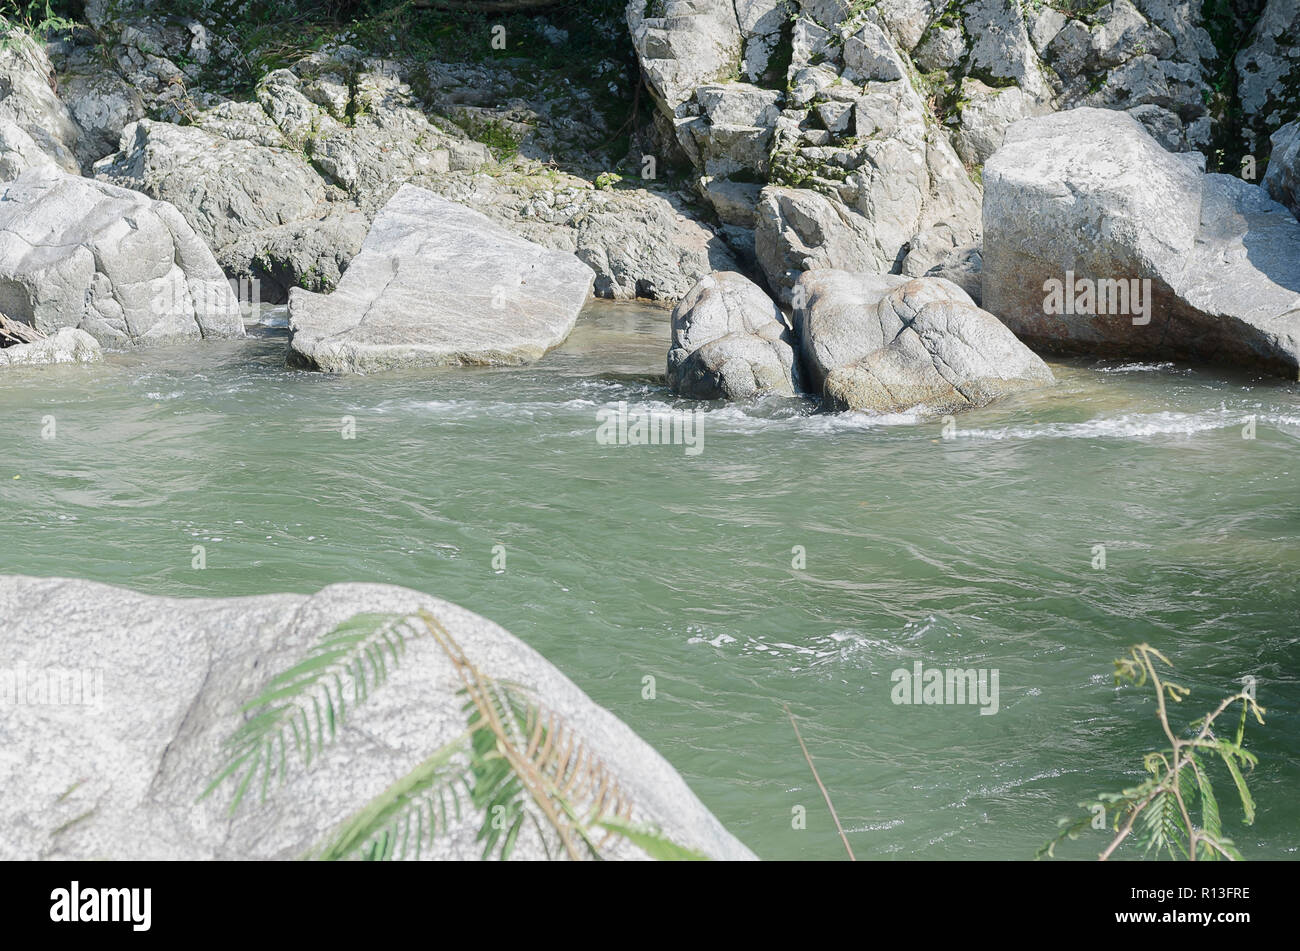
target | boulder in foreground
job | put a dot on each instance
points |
(885, 343)
(1098, 241)
(730, 342)
(124, 268)
(152, 688)
(437, 284)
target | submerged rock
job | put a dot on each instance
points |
(434, 284)
(1166, 261)
(886, 343)
(155, 686)
(126, 269)
(729, 341)
(67, 345)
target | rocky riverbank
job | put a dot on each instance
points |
(768, 139)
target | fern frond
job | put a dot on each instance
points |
(409, 815)
(307, 703)
(521, 749)
(517, 762)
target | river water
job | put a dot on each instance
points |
(796, 559)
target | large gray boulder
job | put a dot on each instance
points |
(123, 701)
(438, 284)
(124, 268)
(729, 341)
(885, 343)
(1088, 195)
(1282, 177)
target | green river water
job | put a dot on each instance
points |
(624, 561)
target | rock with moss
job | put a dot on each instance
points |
(357, 120)
(729, 341)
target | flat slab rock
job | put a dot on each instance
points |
(437, 284)
(118, 778)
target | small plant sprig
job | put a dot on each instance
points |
(1158, 813)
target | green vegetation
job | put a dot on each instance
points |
(1160, 815)
(516, 762)
(495, 134)
(33, 19)
(1230, 24)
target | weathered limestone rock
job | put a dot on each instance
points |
(885, 343)
(67, 345)
(1268, 71)
(1282, 178)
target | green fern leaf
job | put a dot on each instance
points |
(309, 701)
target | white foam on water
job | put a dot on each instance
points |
(1132, 426)
(1142, 368)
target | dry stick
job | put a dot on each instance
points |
(825, 794)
